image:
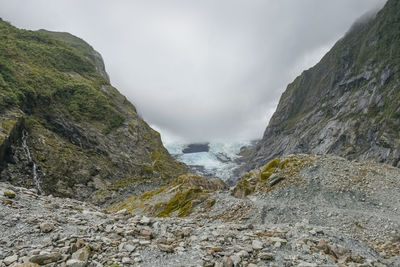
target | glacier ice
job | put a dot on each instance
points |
(220, 161)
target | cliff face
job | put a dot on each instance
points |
(348, 104)
(63, 122)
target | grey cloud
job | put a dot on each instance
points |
(200, 70)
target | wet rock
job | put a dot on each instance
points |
(46, 258)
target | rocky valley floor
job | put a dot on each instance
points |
(329, 219)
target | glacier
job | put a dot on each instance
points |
(220, 161)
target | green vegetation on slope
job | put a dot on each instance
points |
(39, 70)
(374, 43)
(72, 41)
(85, 137)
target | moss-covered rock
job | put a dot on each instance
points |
(9, 194)
(271, 174)
(181, 203)
(179, 198)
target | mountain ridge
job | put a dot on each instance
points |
(347, 104)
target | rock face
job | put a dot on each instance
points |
(65, 130)
(195, 148)
(348, 104)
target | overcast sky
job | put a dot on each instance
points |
(199, 70)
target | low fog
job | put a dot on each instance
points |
(205, 70)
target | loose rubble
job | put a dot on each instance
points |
(51, 231)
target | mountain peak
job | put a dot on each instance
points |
(83, 47)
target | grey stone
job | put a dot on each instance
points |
(46, 227)
(266, 256)
(81, 254)
(243, 254)
(130, 248)
(10, 259)
(126, 260)
(257, 245)
(145, 220)
(75, 263)
(46, 258)
(227, 262)
(235, 259)
(166, 248)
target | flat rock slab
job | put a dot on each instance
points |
(45, 258)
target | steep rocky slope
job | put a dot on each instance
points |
(324, 211)
(348, 104)
(65, 130)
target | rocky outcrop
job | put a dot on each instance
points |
(83, 139)
(10, 133)
(348, 104)
(196, 148)
(180, 198)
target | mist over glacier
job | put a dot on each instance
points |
(199, 70)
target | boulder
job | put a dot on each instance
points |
(46, 258)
